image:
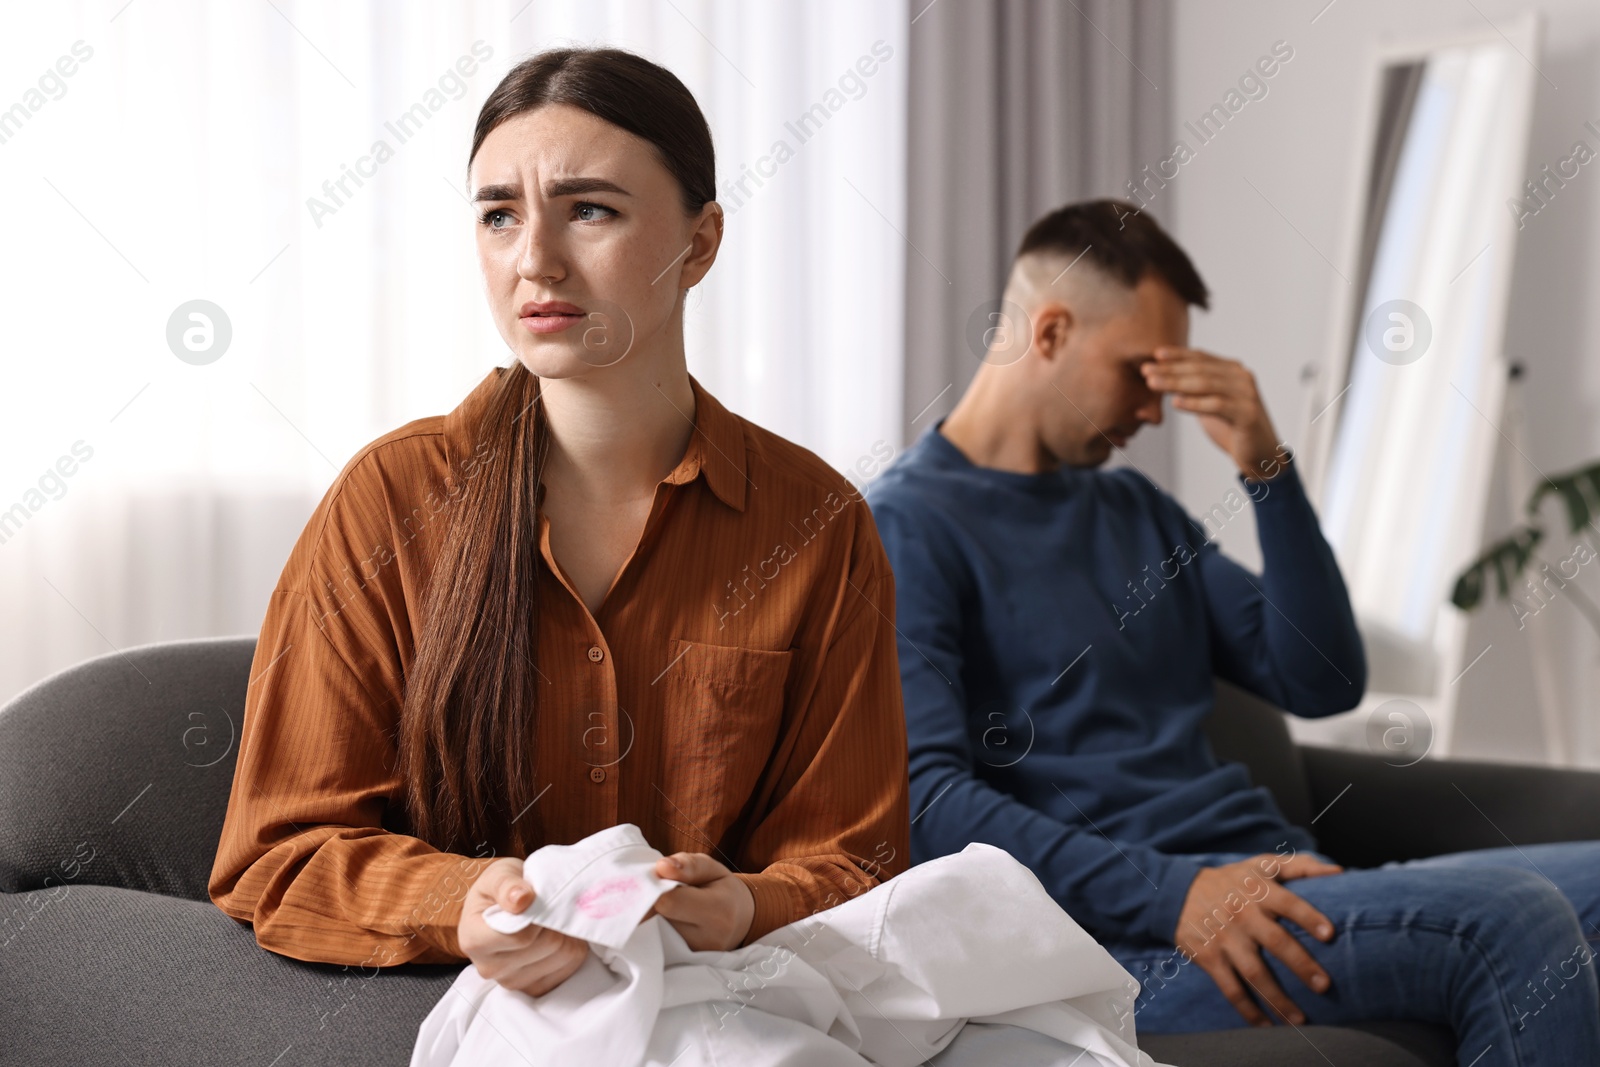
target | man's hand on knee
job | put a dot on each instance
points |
(1232, 913)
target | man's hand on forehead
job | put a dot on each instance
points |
(1222, 393)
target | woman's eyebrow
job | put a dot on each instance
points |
(574, 186)
(554, 189)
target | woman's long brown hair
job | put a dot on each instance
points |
(466, 751)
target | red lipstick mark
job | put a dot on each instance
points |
(605, 899)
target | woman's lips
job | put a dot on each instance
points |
(549, 323)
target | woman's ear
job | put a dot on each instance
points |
(704, 240)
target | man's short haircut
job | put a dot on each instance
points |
(1124, 242)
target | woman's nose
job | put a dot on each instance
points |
(538, 258)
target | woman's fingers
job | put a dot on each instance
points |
(515, 896)
(499, 883)
(683, 905)
(690, 868)
(502, 883)
(714, 915)
(533, 960)
(558, 958)
(530, 943)
(679, 904)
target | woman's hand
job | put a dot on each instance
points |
(711, 909)
(533, 960)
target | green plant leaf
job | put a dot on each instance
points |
(1506, 558)
(1577, 489)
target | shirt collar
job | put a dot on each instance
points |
(716, 448)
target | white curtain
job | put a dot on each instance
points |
(1018, 107)
(163, 152)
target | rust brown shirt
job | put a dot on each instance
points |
(737, 694)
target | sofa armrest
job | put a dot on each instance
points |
(1367, 811)
(117, 771)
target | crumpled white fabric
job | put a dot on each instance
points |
(890, 977)
(597, 890)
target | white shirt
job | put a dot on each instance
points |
(891, 977)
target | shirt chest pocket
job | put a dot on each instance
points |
(723, 711)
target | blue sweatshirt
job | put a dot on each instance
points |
(1058, 638)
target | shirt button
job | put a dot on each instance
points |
(597, 774)
(596, 653)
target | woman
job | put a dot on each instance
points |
(588, 595)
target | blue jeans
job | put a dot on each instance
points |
(1497, 944)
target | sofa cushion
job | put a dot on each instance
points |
(102, 975)
(117, 771)
(96, 974)
(1370, 1045)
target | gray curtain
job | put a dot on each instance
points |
(1017, 107)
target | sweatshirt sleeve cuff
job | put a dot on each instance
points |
(1285, 483)
(1160, 919)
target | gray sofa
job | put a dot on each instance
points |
(114, 776)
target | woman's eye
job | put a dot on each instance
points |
(488, 217)
(582, 208)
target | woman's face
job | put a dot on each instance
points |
(583, 242)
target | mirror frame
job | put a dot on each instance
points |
(1392, 666)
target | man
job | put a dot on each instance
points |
(1060, 628)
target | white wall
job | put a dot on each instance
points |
(1261, 206)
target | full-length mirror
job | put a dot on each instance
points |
(1406, 425)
